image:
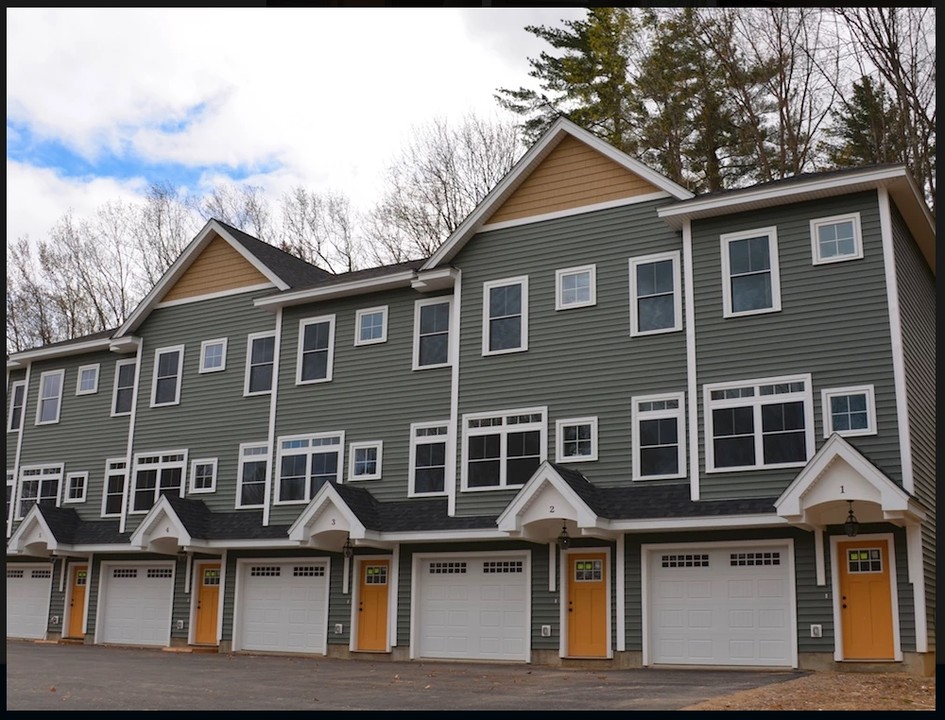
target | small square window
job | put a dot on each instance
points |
(576, 440)
(87, 383)
(213, 355)
(575, 287)
(365, 461)
(370, 326)
(203, 476)
(835, 239)
(76, 484)
(849, 411)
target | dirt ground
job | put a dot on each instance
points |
(834, 691)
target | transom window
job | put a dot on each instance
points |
(431, 338)
(750, 276)
(38, 484)
(254, 464)
(835, 239)
(576, 440)
(759, 424)
(76, 485)
(168, 365)
(370, 326)
(124, 393)
(849, 411)
(213, 355)
(575, 287)
(502, 449)
(260, 358)
(17, 398)
(428, 458)
(115, 474)
(87, 381)
(316, 348)
(50, 397)
(306, 462)
(156, 475)
(203, 475)
(505, 316)
(658, 437)
(655, 295)
(365, 460)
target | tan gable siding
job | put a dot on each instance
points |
(218, 268)
(573, 175)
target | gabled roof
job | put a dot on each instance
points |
(282, 270)
(528, 162)
(47, 527)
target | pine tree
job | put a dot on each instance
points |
(867, 129)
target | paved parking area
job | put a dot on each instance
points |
(84, 677)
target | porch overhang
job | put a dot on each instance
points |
(33, 537)
(327, 522)
(162, 531)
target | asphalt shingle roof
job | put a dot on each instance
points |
(294, 271)
(69, 529)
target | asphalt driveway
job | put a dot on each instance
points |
(84, 677)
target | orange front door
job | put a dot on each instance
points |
(208, 603)
(80, 577)
(587, 605)
(372, 605)
(865, 600)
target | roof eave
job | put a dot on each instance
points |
(358, 287)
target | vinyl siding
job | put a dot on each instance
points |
(85, 435)
(802, 337)
(571, 351)
(217, 269)
(916, 291)
(374, 393)
(213, 417)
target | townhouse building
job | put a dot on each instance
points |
(605, 422)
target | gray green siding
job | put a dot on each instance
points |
(582, 361)
(916, 291)
(833, 323)
(213, 417)
(374, 393)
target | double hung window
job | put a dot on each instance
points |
(502, 449)
(168, 366)
(254, 464)
(428, 458)
(17, 399)
(505, 316)
(124, 393)
(750, 273)
(316, 349)
(260, 358)
(655, 295)
(659, 440)
(50, 397)
(115, 474)
(431, 338)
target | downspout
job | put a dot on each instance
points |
(131, 436)
(452, 438)
(691, 384)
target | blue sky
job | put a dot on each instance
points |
(101, 103)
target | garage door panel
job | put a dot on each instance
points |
(483, 602)
(28, 590)
(284, 607)
(136, 608)
(722, 607)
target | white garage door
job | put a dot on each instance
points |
(721, 606)
(28, 589)
(283, 606)
(473, 608)
(136, 607)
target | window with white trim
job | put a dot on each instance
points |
(655, 294)
(316, 349)
(254, 465)
(503, 449)
(38, 484)
(658, 436)
(168, 367)
(836, 239)
(17, 400)
(115, 473)
(849, 411)
(431, 333)
(50, 397)
(759, 424)
(576, 440)
(11, 479)
(213, 355)
(751, 281)
(203, 475)
(364, 461)
(124, 391)
(306, 462)
(370, 326)
(575, 287)
(155, 475)
(260, 358)
(505, 316)
(87, 380)
(428, 458)
(76, 486)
